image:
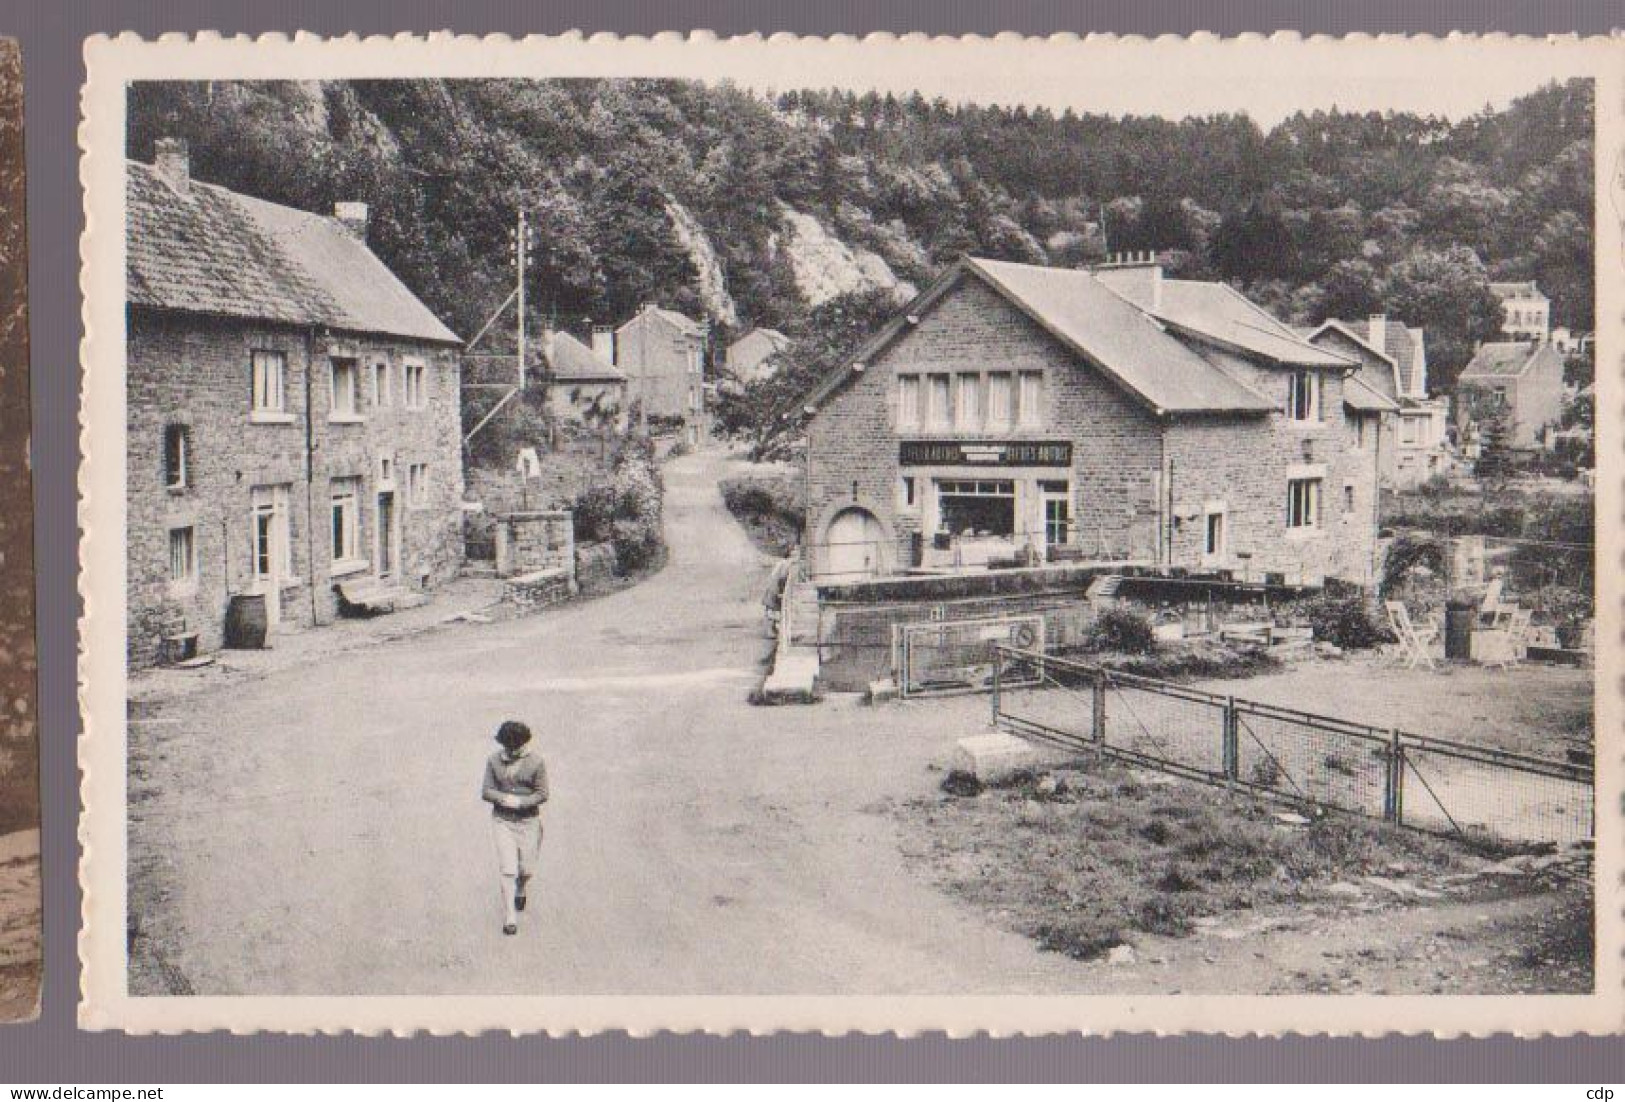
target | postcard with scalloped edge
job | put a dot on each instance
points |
(888, 534)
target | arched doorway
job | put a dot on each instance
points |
(852, 545)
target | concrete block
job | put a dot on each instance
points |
(882, 690)
(992, 757)
(794, 678)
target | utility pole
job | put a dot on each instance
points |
(520, 247)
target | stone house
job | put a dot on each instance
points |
(662, 354)
(1415, 443)
(293, 414)
(755, 356)
(1522, 378)
(582, 387)
(1526, 313)
(1019, 414)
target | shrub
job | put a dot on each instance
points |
(1343, 621)
(626, 511)
(1122, 630)
(679, 449)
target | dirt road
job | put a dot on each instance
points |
(319, 831)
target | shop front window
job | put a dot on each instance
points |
(977, 508)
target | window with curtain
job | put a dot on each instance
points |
(908, 401)
(1000, 399)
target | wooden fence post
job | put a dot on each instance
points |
(998, 665)
(1232, 748)
(1099, 718)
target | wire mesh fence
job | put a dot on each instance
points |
(1464, 790)
(1475, 792)
(958, 655)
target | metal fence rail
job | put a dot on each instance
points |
(1429, 784)
(958, 655)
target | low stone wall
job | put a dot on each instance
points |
(951, 587)
(595, 567)
(539, 589)
(528, 542)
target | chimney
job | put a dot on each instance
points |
(1419, 364)
(1135, 276)
(603, 342)
(173, 164)
(353, 217)
(1377, 332)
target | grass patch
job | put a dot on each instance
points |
(770, 509)
(1088, 856)
(1188, 660)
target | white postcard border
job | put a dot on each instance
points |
(113, 62)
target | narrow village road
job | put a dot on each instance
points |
(320, 831)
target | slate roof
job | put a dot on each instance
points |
(569, 360)
(1504, 360)
(773, 340)
(1358, 395)
(1108, 329)
(1399, 346)
(1140, 355)
(1220, 313)
(681, 322)
(215, 251)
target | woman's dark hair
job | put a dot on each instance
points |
(513, 734)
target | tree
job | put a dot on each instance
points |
(1350, 290)
(765, 411)
(1447, 292)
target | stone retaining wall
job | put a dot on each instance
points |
(539, 589)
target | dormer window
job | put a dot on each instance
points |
(1303, 397)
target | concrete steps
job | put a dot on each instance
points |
(794, 679)
(801, 606)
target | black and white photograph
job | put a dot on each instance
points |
(20, 915)
(861, 534)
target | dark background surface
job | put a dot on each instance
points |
(53, 1052)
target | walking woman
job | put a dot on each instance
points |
(516, 788)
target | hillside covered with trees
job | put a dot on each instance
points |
(780, 210)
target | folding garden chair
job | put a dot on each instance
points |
(1517, 634)
(1414, 639)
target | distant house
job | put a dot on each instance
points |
(1393, 362)
(1526, 313)
(1014, 413)
(293, 414)
(582, 387)
(1569, 342)
(1522, 380)
(662, 354)
(756, 355)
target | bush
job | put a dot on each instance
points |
(1121, 630)
(1343, 621)
(625, 512)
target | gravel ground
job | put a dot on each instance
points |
(315, 828)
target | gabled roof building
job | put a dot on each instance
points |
(1520, 382)
(293, 415)
(1393, 363)
(1021, 413)
(1526, 312)
(582, 386)
(756, 355)
(662, 353)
